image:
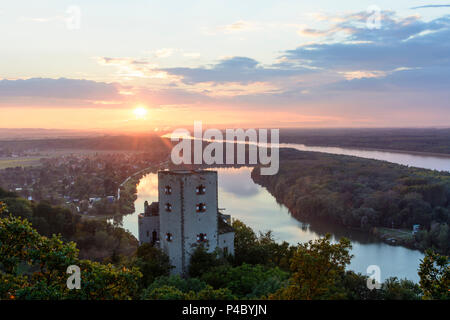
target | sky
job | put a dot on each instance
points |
(116, 65)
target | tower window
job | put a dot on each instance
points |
(201, 189)
(201, 237)
(168, 190)
(168, 207)
(169, 237)
(201, 207)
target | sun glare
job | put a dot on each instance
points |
(140, 112)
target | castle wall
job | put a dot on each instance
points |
(196, 223)
(171, 222)
(146, 226)
(226, 242)
(184, 221)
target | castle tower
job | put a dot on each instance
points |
(148, 224)
(188, 214)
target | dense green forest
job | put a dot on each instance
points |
(33, 266)
(364, 194)
(405, 139)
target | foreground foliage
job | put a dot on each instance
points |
(316, 267)
(33, 266)
(435, 276)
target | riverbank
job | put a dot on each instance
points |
(364, 194)
(362, 149)
(424, 141)
(400, 237)
(127, 192)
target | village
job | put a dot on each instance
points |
(88, 184)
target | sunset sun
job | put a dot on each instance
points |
(140, 112)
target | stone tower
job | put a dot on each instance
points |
(188, 214)
(185, 217)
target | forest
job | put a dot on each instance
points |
(430, 140)
(33, 266)
(364, 194)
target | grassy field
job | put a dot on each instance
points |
(398, 234)
(34, 160)
(19, 162)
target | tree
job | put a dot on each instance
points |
(316, 268)
(246, 281)
(152, 262)
(2, 206)
(434, 273)
(211, 294)
(202, 261)
(184, 285)
(164, 293)
(252, 249)
(245, 249)
(34, 267)
(395, 289)
(177, 288)
(355, 287)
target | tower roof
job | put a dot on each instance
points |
(187, 172)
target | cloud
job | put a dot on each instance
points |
(163, 53)
(349, 50)
(432, 6)
(121, 61)
(133, 68)
(61, 88)
(235, 27)
(308, 32)
(239, 26)
(400, 42)
(312, 33)
(235, 69)
(427, 80)
(347, 70)
(360, 74)
(406, 55)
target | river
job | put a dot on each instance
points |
(255, 206)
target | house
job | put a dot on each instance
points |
(94, 199)
(185, 217)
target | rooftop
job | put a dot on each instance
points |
(186, 172)
(152, 209)
(224, 227)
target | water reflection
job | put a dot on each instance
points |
(255, 206)
(231, 183)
